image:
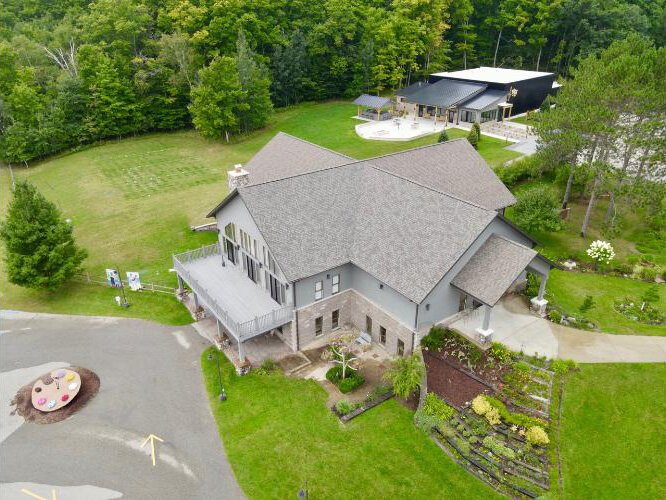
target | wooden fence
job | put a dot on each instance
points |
(146, 287)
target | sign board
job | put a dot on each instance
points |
(113, 278)
(134, 281)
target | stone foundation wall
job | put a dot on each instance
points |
(353, 309)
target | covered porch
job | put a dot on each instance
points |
(241, 309)
(373, 107)
(488, 275)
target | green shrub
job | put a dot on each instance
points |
(443, 136)
(477, 130)
(498, 448)
(353, 380)
(587, 304)
(555, 316)
(436, 407)
(562, 366)
(435, 339)
(651, 295)
(538, 209)
(350, 383)
(648, 274)
(405, 375)
(500, 353)
(344, 407)
(516, 172)
(425, 422)
(269, 365)
(533, 281)
(473, 138)
(624, 268)
(537, 436)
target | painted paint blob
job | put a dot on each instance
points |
(64, 397)
(51, 404)
(69, 377)
(72, 386)
(61, 373)
(41, 401)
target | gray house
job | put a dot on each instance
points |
(311, 240)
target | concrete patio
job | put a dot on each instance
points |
(398, 129)
(520, 330)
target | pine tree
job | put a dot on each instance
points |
(40, 248)
(443, 136)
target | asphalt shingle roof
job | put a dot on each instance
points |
(493, 268)
(285, 156)
(317, 209)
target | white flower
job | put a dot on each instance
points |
(601, 251)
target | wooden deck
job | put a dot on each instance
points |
(232, 289)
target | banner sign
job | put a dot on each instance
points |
(134, 281)
(113, 278)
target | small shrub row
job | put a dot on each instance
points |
(498, 448)
(513, 418)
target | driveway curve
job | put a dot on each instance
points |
(150, 383)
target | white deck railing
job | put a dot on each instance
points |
(240, 330)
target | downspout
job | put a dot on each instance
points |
(293, 294)
(416, 324)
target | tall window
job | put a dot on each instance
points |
(382, 335)
(335, 319)
(230, 231)
(319, 290)
(401, 348)
(335, 284)
(319, 326)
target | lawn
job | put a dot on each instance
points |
(524, 120)
(278, 434)
(132, 201)
(613, 437)
(568, 290)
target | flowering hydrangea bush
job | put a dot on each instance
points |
(601, 251)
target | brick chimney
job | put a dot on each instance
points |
(238, 177)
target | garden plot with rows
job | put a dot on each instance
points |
(494, 416)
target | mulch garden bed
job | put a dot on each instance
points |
(450, 383)
(23, 401)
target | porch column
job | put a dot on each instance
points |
(542, 287)
(196, 300)
(219, 332)
(538, 303)
(181, 285)
(241, 351)
(485, 332)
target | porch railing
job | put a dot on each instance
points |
(240, 330)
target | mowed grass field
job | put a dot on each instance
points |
(278, 434)
(613, 438)
(132, 202)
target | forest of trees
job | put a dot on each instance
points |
(74, 72)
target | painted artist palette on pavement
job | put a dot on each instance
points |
(55, 390)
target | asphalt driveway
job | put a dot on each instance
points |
(150, 383)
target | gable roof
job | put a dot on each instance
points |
(452, 167)
(361, 214)
(443, 93)
(285, 155)
(430, 203)
(372, 101)
(493, 268)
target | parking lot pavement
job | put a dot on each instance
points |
(150, 383)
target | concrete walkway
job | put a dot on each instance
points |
(521, 330)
